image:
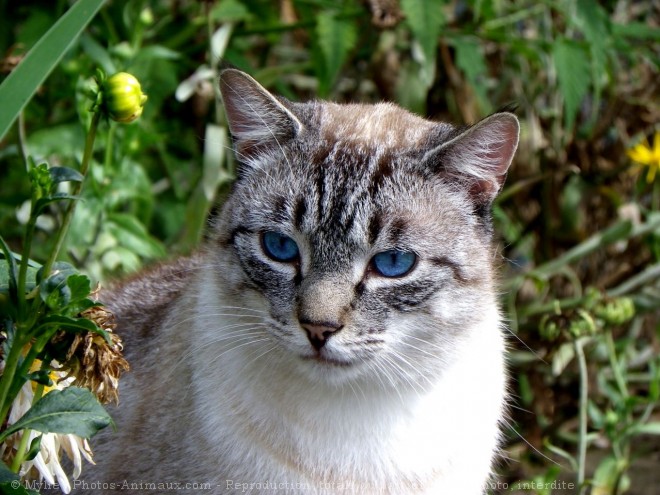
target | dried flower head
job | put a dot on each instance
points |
(47, 464)
(93, 362)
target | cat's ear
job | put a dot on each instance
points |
(257, 120)
(480, 156)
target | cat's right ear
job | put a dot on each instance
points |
(257, 120)
(479, 157)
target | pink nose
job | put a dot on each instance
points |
(319, 333)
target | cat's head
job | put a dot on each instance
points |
(362, 231)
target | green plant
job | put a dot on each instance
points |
(54, 334)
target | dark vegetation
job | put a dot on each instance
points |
(579, 220)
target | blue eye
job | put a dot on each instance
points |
(279, 247)
(393, 263)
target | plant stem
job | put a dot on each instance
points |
(584, 394)
(649, 274)
(25, 261)
(15, 382)
(20, 451)
(77, 188)
(107, 158)
(25, 435)
(614, 364)
(8, 374)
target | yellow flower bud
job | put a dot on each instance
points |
(122, 97)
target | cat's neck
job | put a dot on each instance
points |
(373, 432)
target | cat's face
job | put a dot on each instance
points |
(361, 230)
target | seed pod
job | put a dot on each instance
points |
(616, 311)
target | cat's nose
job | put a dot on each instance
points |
(319, 333)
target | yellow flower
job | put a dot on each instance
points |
(123, 97)
(644, 154)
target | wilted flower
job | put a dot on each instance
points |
(644, 154)
(46, 465)
(91, 362)
(122, 97)
(94, 363)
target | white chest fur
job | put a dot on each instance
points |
(265, 422)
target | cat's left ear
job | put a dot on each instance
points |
(480, 156)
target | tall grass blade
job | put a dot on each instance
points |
(17, 89)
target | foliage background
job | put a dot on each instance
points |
(578, 221)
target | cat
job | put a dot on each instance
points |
(339, 332)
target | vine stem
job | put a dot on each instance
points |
(25, 435)
(578, 344)
(77, 188)
(8, 374)
(615, 365)
(25, 261)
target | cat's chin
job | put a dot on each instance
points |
(329, 361)
(328, 369)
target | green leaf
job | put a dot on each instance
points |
(132, 234)
(411, 89)
(154, 52)
(74, 324)
(9, 269)
(214, 173)
(58, 266)
(41, 377)
(230, 10)
(21, 84)
(35, 447)
(54, 290)
(637, 31)
(561, 453)
(426, 19)
(98, 53)
(66, 289)
(652, 428)
(592, 19)
(336, 37)
(79, 285)
(64, 140)
(10, 482)
(15, 488)
(595, 414)
(77, 307)
(40, 204)
(607, 474)
(617, 232)
(6, 474)
(65, 174)
(594, 22)
(562, 357)
(70, 411)
(470, 59)
(573, 74)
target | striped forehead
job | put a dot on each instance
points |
(336, 199)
